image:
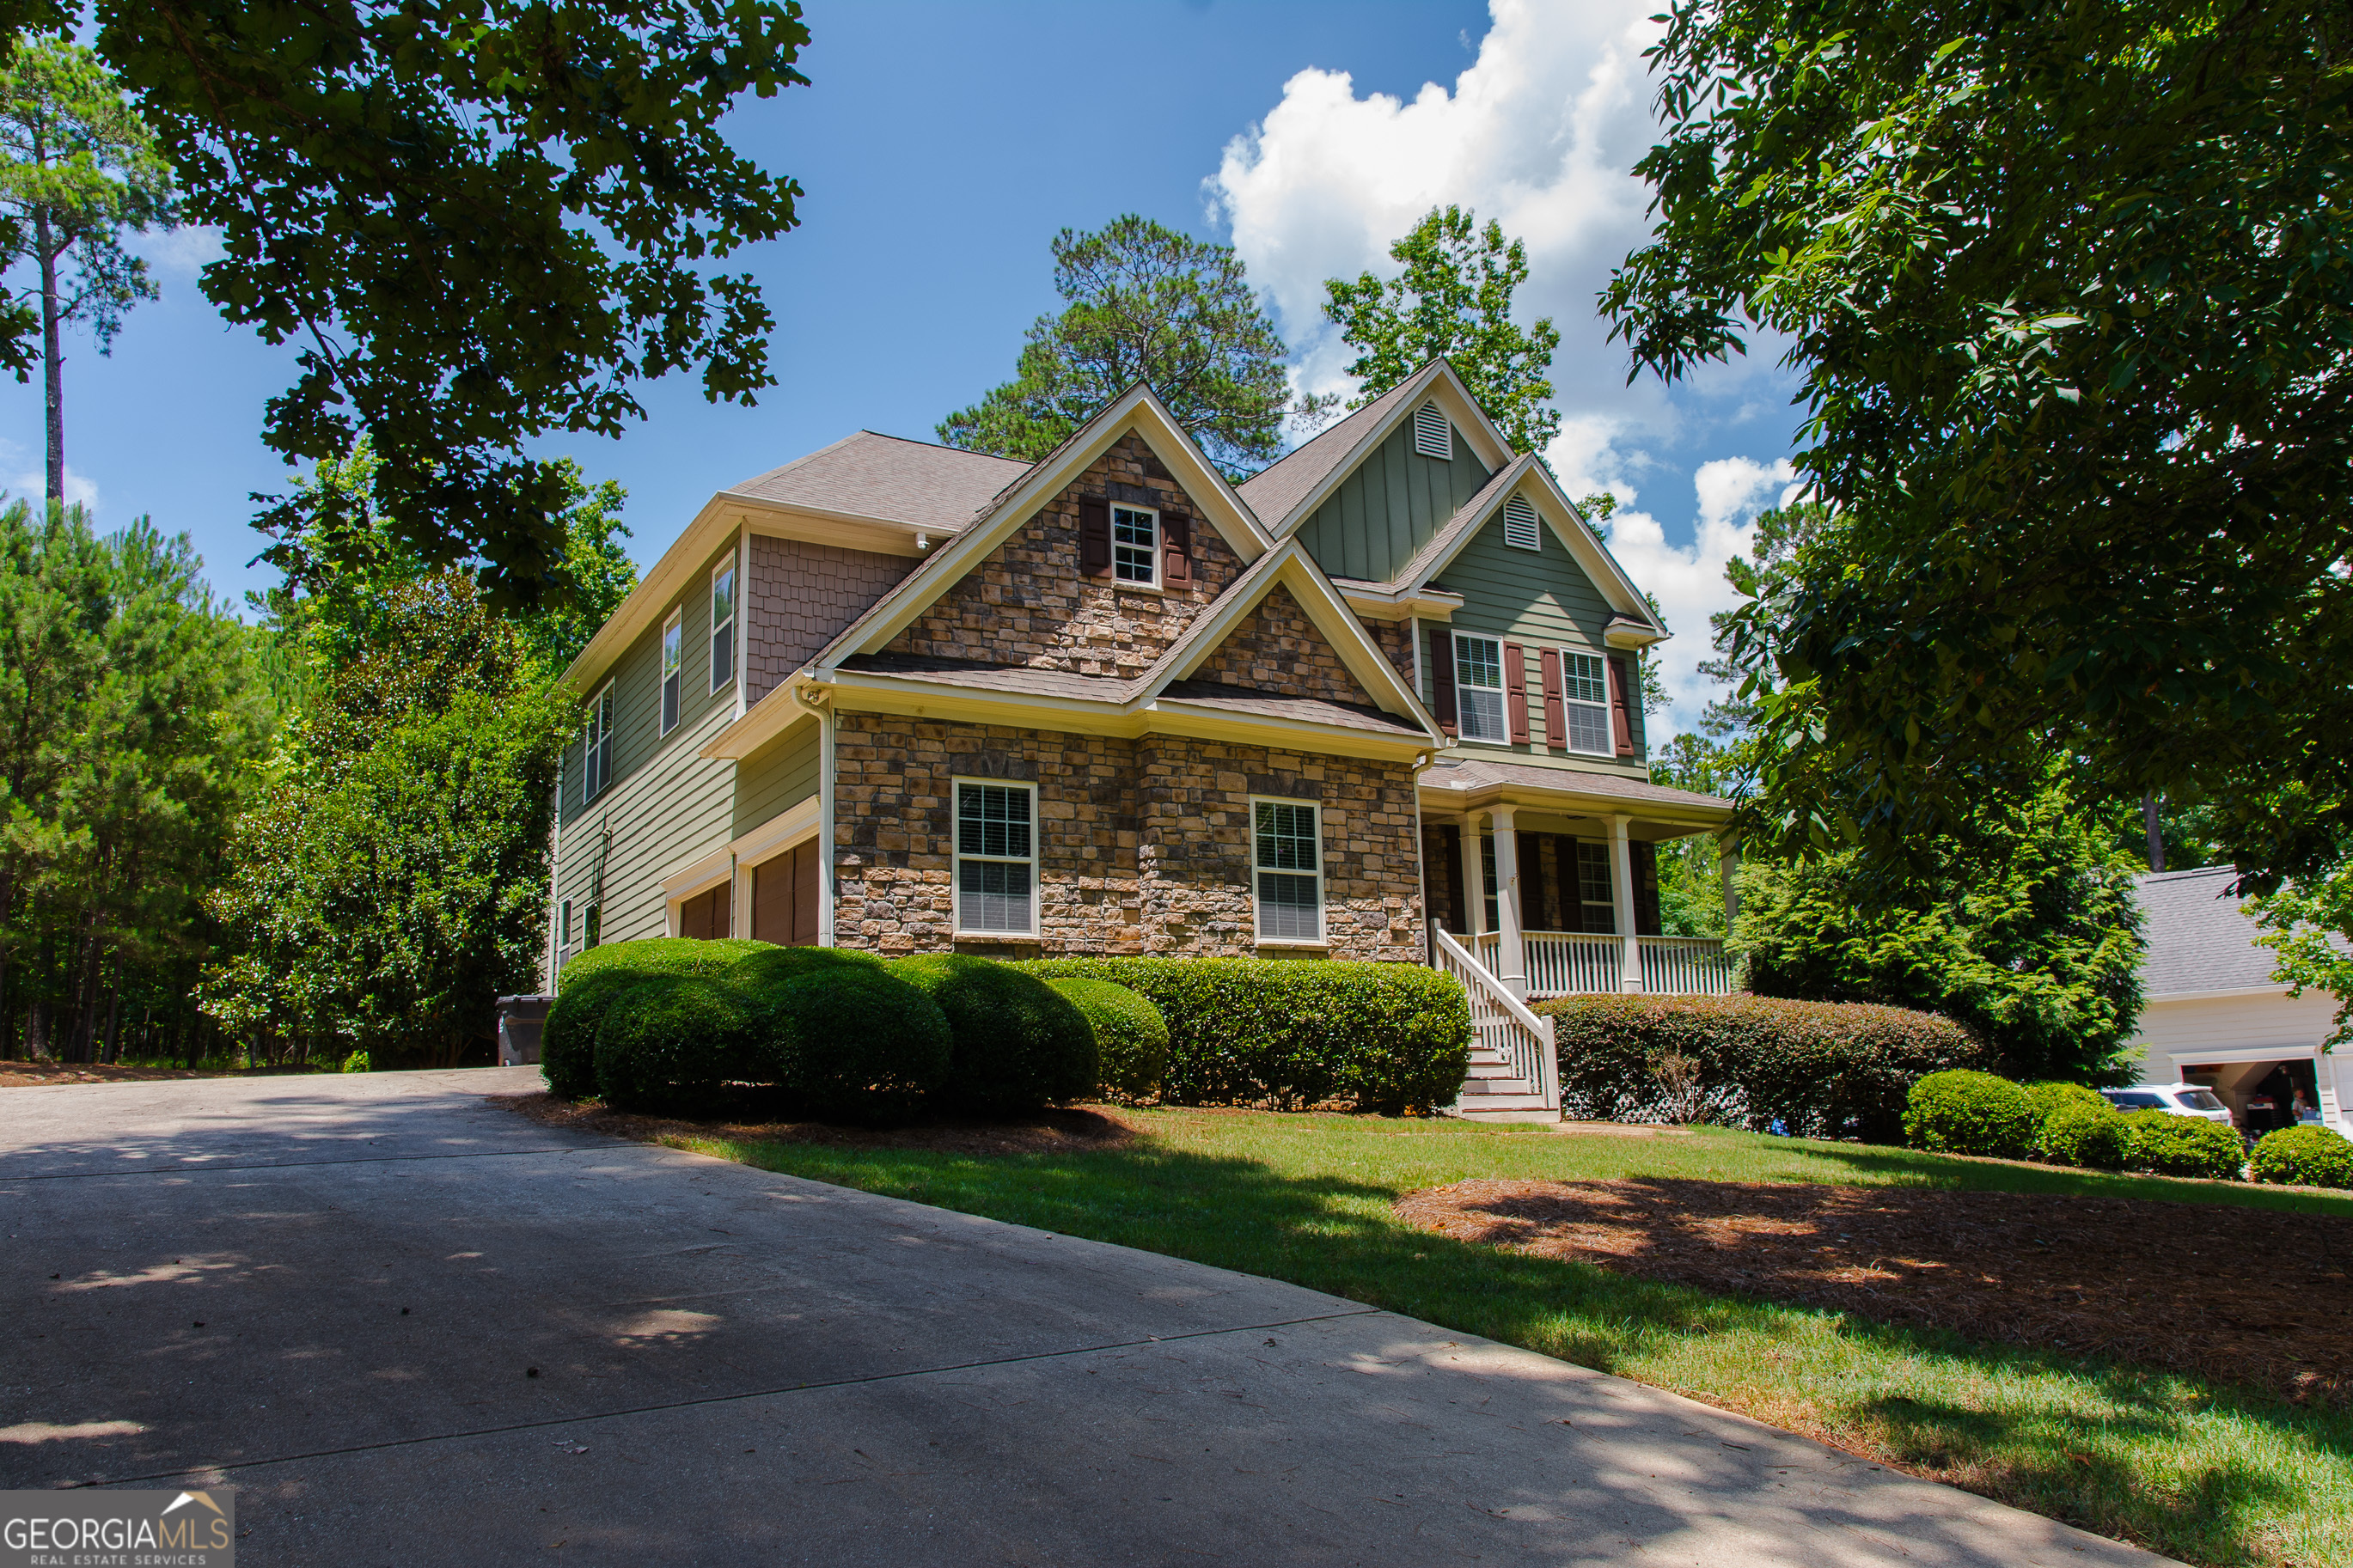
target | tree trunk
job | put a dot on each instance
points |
(53, 370)
(114, 1013)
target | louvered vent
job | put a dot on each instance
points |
(1433, 436)
(1520, 531)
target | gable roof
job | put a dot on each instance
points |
(1275, 489)
(1631, 611)
(887, 476)
(1287, 494)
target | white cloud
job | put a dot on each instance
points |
(183, 250)
(28, 481)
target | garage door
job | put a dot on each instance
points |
(784, 897)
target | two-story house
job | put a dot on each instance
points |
(908, 699)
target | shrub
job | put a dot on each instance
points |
(1970, 1113)
(356, 1062)
(2087, 1133)
(2043, 1099)
(1017, 1044)
(1288, 1033)
(1823, 1069)
(659, 955)
(2173, 1145)
(670, 1045)
(849, 1040)
(1131, 1036)
(765, 970)
(2303, 1157)
(589, 982)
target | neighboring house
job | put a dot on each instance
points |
(908, 699)
(2214, 1016)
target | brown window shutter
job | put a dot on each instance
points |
(1442, 676)
(1621, 716)
(1176, 547)
(1094, 536)
(1556, 713)
(1515, 691)
(805, 874)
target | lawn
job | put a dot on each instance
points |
(2207, 1471)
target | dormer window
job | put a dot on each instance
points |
(1135, 544)
(1433, 436)
(1520, 530)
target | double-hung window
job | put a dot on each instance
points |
(1135, 546)
(1287, 855)
(723, 625)
(1595, 896)
(597, 743)
(997, 857)
(673, 650)
(1585, 691)
(1479, 688)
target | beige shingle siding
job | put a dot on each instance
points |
(800, 597)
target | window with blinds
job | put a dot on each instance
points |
(995, 858)
(1287, 855)
(1433, 436)
(1520, 529)
(1479, 688)
(1585, 683)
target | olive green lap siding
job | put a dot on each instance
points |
(1389, 508)
(778, 776)
(1539, 599)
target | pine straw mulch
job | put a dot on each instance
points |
(1048, 1132)
(2242, 1295)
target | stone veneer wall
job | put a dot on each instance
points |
(1277, 650)
(1028, 604)
(799, 598)
(1396, 640)
(1143, 846)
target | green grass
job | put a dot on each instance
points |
(2208, 1472)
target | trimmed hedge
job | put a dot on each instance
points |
(2303, 1157)
(591, 980)
(670, 1044)
(850, 1041)
(2090, 1135)
(1970, 1113)
(2045, 1097)
(1131, 1036)
(2173, 1145)
(1821, 1070)
(1018, 1043)
(1297, 1032)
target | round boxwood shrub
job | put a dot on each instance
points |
(2303, 1157)
(1131, 1036)
(766, 969)
(1016, 1043)
(2043, 1099)
(1969, 1112)
(658, 955)
(851, 1041)
(589, 982)
(2088, 1134)
(672, 1044)
(2173, 1145)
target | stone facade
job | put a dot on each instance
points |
(1029, 604)
(1396, 640)
(1143, 846)
(799, 597)
(1277, 650)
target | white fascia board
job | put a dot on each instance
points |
(1175, 716)
(1573, 802)
(766, 720)
(1401, 603)
(1135, 409)
(822, 525)
(653, 594)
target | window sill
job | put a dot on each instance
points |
(994, 936)
(1121, 586)
(1320, 944)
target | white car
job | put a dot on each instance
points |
(2181, 1099)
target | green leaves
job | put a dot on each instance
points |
(1453, 300)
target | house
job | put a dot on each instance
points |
(1379, 702)
(2214, 1016)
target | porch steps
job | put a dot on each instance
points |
(1492, 1091)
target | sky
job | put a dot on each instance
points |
(942, 146)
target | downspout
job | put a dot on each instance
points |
(815, 692)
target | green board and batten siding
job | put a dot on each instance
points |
(1389, 508)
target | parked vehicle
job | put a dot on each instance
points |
(2181, 1099)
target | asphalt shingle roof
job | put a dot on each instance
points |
(1479, 774)
(1273, 490)
(2199, 937)
(867, 474)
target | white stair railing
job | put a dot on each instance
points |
(1501, 1021)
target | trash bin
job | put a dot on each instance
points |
(520, 1018)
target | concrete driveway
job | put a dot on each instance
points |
(410, 1327)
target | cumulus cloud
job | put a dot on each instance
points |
(178, 250)
(1540, 132)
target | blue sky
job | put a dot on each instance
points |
(942, 147)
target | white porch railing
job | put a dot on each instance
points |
(1504, 1027)
(1574, 963)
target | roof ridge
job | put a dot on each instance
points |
(935, 445)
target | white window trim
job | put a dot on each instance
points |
(1322, 935)
(1501, 691)
(956, 857)
(1608, 738)
(1159, 547)
(603, 776)
(676, 623)
(726, 568)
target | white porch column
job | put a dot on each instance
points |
(1513, 958)
(1475, 879)
(1621, 889)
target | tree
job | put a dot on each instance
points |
(77, 168)
(1147, 304)
(2024, 926)
(2068, 288)
(2310, 926)
(1454, 300)
(482, 222)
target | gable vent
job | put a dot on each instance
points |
(1433, 436)
(1520, 531)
